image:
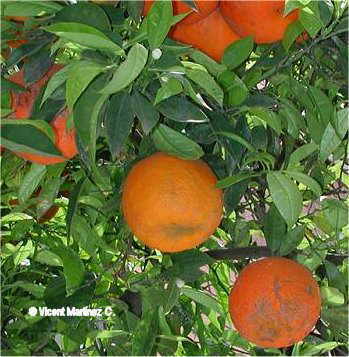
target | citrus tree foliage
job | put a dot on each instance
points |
(271, 121)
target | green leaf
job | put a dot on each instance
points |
(144, 336)
(79, 77)
(309, 17)
(301, 153)
(335, 277)
(293, 119)
(118, 122)
(73, 203)
(103, 334)
(329, 142)
(274, 229)
(87, 111)
(331, 296)
(234, 88)
(145, 111)
(341, 122)
(286, 196)
(319, 349)
(49, 258)
(336, 317)
(212, 66)
(86, 13)
(232, 180)
(175, 143)
(293, 30)
(305, 180)
(180, 109)
(238, 139)
(170, 88)
(55, 81)
(336, 213)
(292, 240)
(73, 268)
(83, 235)
(206, 82)
(129, 70)
(186, 265)
(31, 181)
(30, 8)
(159, 21)
(269, 117)
(238, 52)
(85, 35)
(202, 298)
(23, 253)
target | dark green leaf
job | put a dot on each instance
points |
(292, 32)
(31, 181)
(301, 153)
(179, 108)
(118, 121)
(84, 13)
(170, 88)
(37, 65)
(145, 111)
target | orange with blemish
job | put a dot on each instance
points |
(275, 302)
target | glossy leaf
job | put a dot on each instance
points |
(329, 142)
(286, 196)
(175, 143)
(85, 35)
(206, 82)
(128, 71)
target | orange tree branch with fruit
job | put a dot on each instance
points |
(179, 166)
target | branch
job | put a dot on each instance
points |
(239, 253)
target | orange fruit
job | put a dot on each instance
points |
(275, 302)
(262, 19)
(210, 35)
(171, 204)
(16, 18)
(204, 8)
(22, 102)
(64, 141)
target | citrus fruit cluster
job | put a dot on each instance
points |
(22, 106)
(173, 205)
(218, 23)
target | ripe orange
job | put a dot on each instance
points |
(171, 204)
(211, 35)
(22, 102)
(275, 302)
(204, 8)
(263, 19)
(64, 142)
